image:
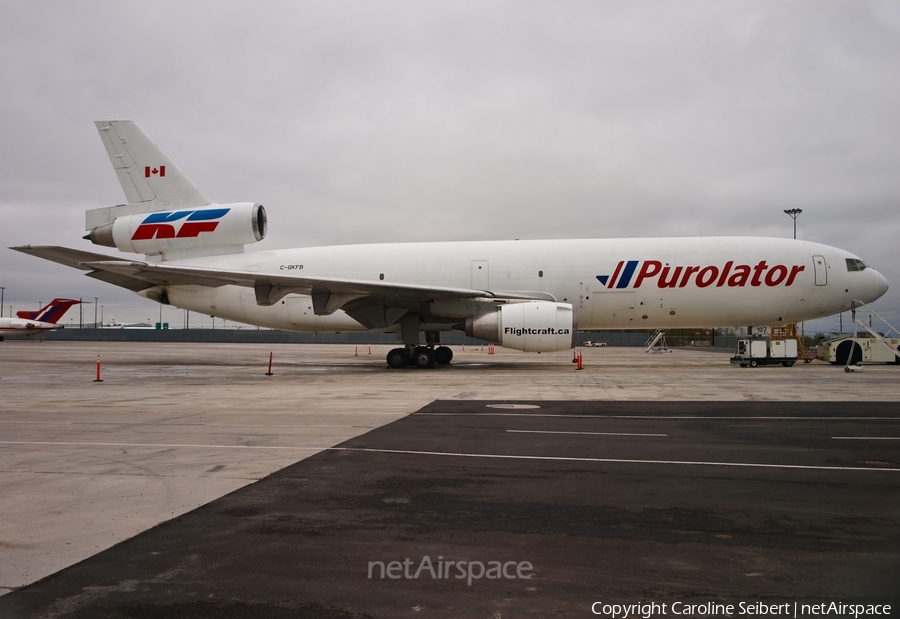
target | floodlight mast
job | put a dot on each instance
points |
(794, 213)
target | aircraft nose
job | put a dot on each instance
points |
(879, 285)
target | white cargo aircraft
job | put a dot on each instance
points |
(525, 295)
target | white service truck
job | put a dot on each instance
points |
(765, 352)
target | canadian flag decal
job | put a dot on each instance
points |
(160, 171)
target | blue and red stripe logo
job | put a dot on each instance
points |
(621, 277)
(192, 223)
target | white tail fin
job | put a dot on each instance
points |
(150, 180)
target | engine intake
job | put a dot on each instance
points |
(537, 326)
(215, 226)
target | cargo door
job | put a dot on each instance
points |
(821, 270)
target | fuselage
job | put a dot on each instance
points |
(15, 327)
(612, 283)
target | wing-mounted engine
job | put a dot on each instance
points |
(214, 229)
(538, 326)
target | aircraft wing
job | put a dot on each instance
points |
(328, 294)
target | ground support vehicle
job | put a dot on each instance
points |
(840, 350)
(765, 352)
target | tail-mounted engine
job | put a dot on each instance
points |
(225, 227)
(537, 326)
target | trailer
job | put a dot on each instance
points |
(765, 352)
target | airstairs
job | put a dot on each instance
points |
(657, 342)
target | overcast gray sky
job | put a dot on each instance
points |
(404, 121)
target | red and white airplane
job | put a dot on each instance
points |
(526, 295)
(33, 322)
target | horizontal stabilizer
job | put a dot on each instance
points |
(74, 258)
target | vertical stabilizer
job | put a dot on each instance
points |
(51, 312)
(150, 180)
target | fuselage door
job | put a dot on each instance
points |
(821, 270)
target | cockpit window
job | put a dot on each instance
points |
(855, 264)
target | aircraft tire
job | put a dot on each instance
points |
(443, 355)
(424, 357)
(397, 358)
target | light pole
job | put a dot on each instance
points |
(2, 288)
(101, 316)
(794, 213)
(95, 312)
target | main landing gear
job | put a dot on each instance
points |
(414, 355)
(419, 356)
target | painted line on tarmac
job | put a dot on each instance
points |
(591, 433)
(652, 417)
(151, 445)
(866, 438)
(179, 424)
(809, 467)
